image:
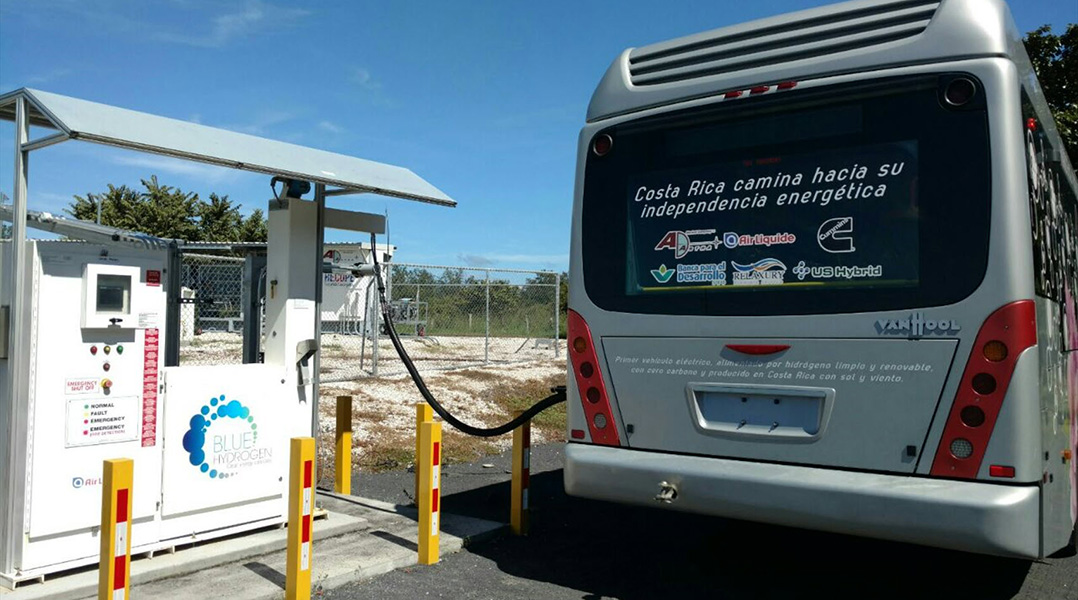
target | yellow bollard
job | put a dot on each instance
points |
(522, 452)
(423, 414)
(430, 467)
(300, 503)
(114, 576)
(342, 483)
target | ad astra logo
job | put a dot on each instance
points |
(916, 326)
(682, 244)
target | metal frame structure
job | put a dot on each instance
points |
(74, 119)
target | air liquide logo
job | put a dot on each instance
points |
(81, 482)
(916, 326)
(223, 439)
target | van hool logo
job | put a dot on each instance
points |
(916, 326)
(233, 443)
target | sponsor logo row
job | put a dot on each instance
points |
(766, 271)
(833, 235)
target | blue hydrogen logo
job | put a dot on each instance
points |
(215, 411)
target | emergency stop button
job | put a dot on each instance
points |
(106, 384)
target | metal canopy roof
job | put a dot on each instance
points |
(104, 124)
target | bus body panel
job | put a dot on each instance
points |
(1055, 426)
(852, 403)
(960, 515)
(958, 29)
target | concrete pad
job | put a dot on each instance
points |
(360, 539)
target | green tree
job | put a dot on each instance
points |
(169, 212)
(1055, 59)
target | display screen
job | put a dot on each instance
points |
(867, 196)
(842, 218)
(113, 293)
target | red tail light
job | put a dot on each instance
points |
(589, 382)
(1002, 338)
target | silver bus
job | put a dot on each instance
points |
(823, 274)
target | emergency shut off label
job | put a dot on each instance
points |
(106, 420)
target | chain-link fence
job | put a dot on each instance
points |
(211, 309)
(448, 317)
(451, 317)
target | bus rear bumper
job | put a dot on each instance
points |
(969, 516)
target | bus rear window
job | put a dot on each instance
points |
(874, 199)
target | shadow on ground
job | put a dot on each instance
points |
(606, 550)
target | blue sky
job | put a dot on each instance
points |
(482, 99)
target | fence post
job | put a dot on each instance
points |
(486, 341)
(342, 483)
(557, 315)
(423, 414)
(430, 464)
(375, 329)
(300, 505)
(518, 513)
(114, 575)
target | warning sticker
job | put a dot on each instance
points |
(79, 386)
(149, 387)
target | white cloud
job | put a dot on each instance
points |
(330, 127)
(490, 259)
(364, 79)
(254, 17)
(48, 76)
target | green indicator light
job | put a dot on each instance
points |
(119, 349)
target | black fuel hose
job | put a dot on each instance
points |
(556, 398)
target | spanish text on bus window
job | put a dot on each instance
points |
(845, 218)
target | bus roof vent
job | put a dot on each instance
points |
(858, 25)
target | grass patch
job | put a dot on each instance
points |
(522, 395)
(386, 450)
(461, 448)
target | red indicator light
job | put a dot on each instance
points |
(786, 85)
(93, 350)
(1001, 471)
(106, 366)
(733, 94)
(577, 434)
(758, 349)
(759, 89)
(602, 144)
(1031, 124)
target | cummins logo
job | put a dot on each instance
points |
(916, 326)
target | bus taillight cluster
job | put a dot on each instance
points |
(1001, 340)
(589, 382)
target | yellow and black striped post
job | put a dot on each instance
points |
(423, 414)
(342, 483)
(522, 451)
(114, 578)
(300, 505)
(430, 470)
